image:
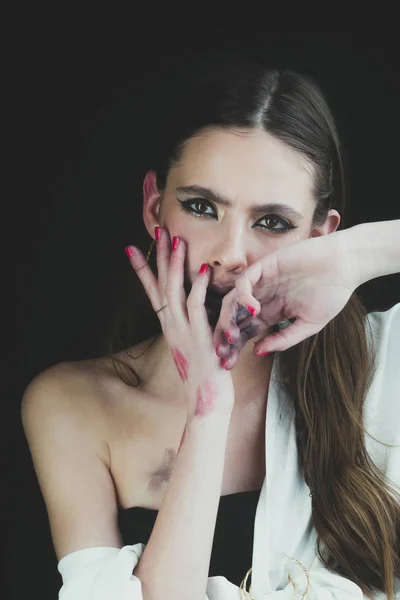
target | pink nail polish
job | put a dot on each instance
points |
(203, 268)
(252, 310)
(224, 361)
(262, 353)
(128, 251)
(228, 337)
(216, 350)
(175, 242)
(157, 233)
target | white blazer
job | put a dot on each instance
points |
(283, 518)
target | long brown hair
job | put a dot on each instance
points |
(354, 510)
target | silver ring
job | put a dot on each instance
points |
(157, 311)
(285, 323)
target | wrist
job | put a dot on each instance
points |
(373, 249)
(219, 415)
(204, 428)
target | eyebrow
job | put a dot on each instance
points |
(212, 196)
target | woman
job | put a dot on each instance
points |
(245, 204)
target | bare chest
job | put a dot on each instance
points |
(143, 452)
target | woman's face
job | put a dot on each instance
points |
(223, 200)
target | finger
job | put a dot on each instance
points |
(226, 330)
(242, 314)
(223, 350)
(163, 249)
(283, 339)
(266, 269)
(224, 347)
(240, 321)
(229, 363)
(249, 301)
(247, 332)
(174, 290)
(195, 304)
(146, 276)
(250, 330)
(244, 287)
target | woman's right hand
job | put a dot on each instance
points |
(185, 325)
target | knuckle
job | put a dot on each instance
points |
(139, 268)
(193, 302)
(169, 292)
(241, 279)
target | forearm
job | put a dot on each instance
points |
(374, 249)
(175, 562)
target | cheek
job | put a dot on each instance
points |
(180, 224)
(197, 244)
(197, 253)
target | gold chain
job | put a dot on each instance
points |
(307, 592)
(244, 594)
(151, 248)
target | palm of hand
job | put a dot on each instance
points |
(311, 283)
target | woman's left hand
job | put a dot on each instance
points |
(309, 281)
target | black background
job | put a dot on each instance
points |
(87, 93)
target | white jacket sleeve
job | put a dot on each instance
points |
(105, 573)
(101, 573)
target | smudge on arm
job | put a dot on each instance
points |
(205, 399)
(182, 364)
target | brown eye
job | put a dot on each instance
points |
(197, 207)
(200, 203)
(273, 220)
(285, 225)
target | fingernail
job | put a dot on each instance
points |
(228, 337)
(175, 242)
(224, 361)
(216, 350)
(203, 268)
(157, 233)
(262, 353)
(252, 310)
(129, 251)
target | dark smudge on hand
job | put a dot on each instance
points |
(251, 330)
(213, 305)
(242, 314)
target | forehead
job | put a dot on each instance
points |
(247, 163)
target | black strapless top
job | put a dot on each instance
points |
(232, 549)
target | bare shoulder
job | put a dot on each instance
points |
(66, 393)
(88, 392)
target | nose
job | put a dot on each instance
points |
(229, 251)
